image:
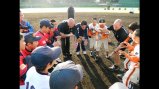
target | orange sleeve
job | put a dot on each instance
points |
(132, 58)
(127, 39)
(130, 48)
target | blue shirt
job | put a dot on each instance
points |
(81, 32)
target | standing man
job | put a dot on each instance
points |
(67, 29)
(120, 34)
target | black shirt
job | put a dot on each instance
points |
(64, 28)
(120, 35)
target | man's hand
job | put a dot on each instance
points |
(122, 52)
(57, 43)
(63, 35)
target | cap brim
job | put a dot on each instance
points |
(57, 52)
(79, 67)
(37, 38)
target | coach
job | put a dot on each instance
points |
(66, 29)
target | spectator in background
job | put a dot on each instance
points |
(26, 24)
(66, 75)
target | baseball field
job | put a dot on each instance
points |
(96, 74)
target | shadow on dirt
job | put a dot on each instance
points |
(94, 77)
(109, 74)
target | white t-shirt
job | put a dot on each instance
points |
(34, 80)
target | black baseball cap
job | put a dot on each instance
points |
(101, 20)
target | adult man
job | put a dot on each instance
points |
(81, 34)
(120, 34)
(91, 34)
(66, 29)
(23, 23)
(66, 75)
(45, 26)
(42, 58)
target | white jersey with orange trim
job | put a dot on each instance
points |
(133, 74)
(92, 32)
(34, 80)
(93, 28)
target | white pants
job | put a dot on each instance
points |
(92, 42)
(99, 43)
(127, 63)
(22, 87)
(132, 75)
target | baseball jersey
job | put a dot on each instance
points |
(43, 39)
(103, 35)
(35, 80)
(92, 29)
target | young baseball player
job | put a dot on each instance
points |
(102, 34)
(45, 26)
(131, 28)
(66, 75)
(42, 58)
(131, 77)
(23, 67)
(91, 34)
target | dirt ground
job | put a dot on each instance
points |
(96, 74)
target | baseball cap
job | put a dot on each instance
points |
(42, 55)
(29, 37)
(118, 85)
(101, 20)
(45, 22)
(68, 74)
